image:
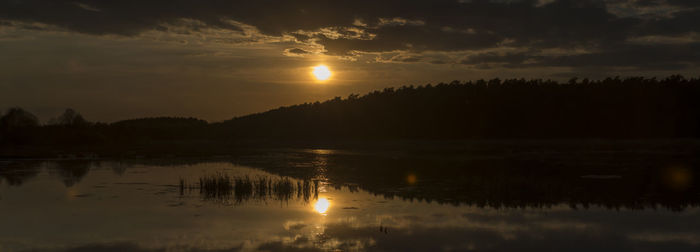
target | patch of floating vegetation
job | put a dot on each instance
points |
(236, 190)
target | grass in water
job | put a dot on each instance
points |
(234, 189)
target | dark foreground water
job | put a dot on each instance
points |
(325, 205)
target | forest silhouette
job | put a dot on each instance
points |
(624, 108)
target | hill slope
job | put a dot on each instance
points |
(495, 109)
(611, 108)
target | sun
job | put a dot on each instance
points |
(321, 72)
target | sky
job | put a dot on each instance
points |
(217, 59)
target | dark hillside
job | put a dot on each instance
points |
(611, 108)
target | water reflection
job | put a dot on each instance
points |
(678, 178)
(482, 183)
(70, 172)
(411, 179)
(16, 173)
(144, 208)
(516, 177)
(322, 205)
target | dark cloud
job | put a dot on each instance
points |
(643, 57)
(298, 51)
(129, 246)
(683, 22)
(604, 27)
(684, 3)
(411, 38)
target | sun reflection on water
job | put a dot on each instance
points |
(322, 205)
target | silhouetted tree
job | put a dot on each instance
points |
(16, 118)
(16, 126)
(512, 108)
(616, 107)
(69, 118)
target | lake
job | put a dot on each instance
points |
(524, 199)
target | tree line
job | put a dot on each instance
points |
(633, 107)
(515, 108)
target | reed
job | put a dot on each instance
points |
(238, 189)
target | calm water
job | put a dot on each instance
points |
(140, 206)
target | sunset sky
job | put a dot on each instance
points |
(217, 59)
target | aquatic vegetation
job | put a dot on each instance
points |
(237, 189)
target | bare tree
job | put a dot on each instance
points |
(17, 118)
(69, 118)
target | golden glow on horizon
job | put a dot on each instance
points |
(322, 205)
(321, 72)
